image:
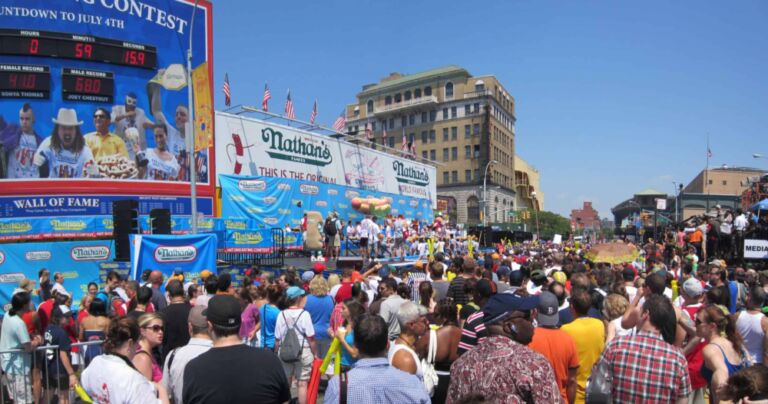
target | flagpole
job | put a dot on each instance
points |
(706, 173)
(190, 140)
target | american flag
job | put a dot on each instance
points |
(709, 152)
(368, 131)
(340, 123)
(413, 149)
(289, 107)
(313, 115)
(227, 93)
(267, 97)
(383, 131)
(404, 147)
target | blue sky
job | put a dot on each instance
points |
(611, 97)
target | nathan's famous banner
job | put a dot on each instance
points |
(252, 147)
(260, 241)
(80, 262)
(96, 90)
(189, 254)
(275, 202)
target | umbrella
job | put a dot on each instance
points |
(762, 205)
(613, 253)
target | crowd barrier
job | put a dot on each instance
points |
(35, 381)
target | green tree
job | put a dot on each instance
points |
(550, 223)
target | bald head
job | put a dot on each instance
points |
(156, 278)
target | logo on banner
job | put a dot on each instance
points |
(14, 277)
(68, 225)
(414, 203)
(166, 254)
(333, 192)
(2, 257)
(270, 200)
(252, 185)
(283, 186)
(300, 149)
(351, 194)
(235, 225)
(271, 220)
(410, 174)
(90, 253)
(309, 189)
(247, 238)
(108, 224)
(290, 239)
(40, 255)
(321, 204)
(16, 227)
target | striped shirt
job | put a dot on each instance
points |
(473, 333)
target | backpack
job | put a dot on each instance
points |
(290, 347)
(330, 228)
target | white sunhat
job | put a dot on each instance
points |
(67, 117)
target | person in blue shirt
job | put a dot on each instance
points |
(58, 369)
(268, 314)
(372, 379)
(351, 310)
(320, 305)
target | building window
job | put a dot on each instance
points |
(432, 115)
(403, 121)
(433, 155)
(467, 109)
(476, 129)
(467, 152)
(454, 132)
(477, 174)
(373, 126)
(477, 151)
(479, 85)
(467, 131)
(446, 177)
(412, 119)
(423, 117)
(445, 134)
(445, 113)
(473, 210)
(454, 153)
(388, 100)
(710, 182)
(445, 154)
(391, 123)
(424, 155)
(398, 97)
(369, 106)
(412, 138)
(392, 142)
(427, 91)
(455, 176)
(424, 138)
(477, 107)
(417, 93)
(467, 175)
(449, 90)
(407, 95)
(432, 136)
(453, 112)
(725, 182)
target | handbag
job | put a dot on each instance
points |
(598, 390)
(428, 364)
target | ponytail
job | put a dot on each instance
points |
(119, 332)
(726, 326)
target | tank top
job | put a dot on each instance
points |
(398, 347)
(748, 325)
(621, 331)
(92, 351)
(707, 373)
(157, 371)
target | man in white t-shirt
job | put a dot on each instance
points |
(177, 359)
(58, 284)
(65, 154)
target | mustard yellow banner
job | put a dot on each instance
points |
(203, 107)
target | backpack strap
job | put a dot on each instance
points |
(343, 381)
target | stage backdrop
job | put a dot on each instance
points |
(79, 261)
(190, 254)
(273, 202)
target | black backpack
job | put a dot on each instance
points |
(330, 228)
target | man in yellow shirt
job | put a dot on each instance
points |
(588, 334)
(101, 142)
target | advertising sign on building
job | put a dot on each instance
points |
(756, 249)
(251, 147)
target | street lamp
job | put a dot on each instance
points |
(536, 213)
(485, 191)
(191, 125)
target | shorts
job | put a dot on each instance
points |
(60, 382)
(337, 241)
(19, 388)
(300, 369)
(363, 242)
(399, 241)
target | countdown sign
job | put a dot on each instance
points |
(82, 98)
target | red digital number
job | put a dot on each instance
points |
(132, 57)
(87, 85)
(22, 81)
(83, 50)
(34, 46)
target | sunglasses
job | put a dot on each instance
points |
(155, 328)
(97, 116)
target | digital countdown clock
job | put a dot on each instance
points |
(87, 85)
(25, 81)
(79, 47)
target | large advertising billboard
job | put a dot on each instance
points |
(93, 97)
(252, 147)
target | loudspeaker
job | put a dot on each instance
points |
(355, 263)
(160, 220)
(125, 221)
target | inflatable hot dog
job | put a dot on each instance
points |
(372, 206)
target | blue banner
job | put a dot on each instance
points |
(94, 205)
(190, 254)
(259, 241)
(80, 262)
(274, 202)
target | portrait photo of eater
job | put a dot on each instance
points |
(161, 164)
(18, 144)
(102, 142)
(65, 154)
(127, 116)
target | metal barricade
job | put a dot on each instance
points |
(40, 375)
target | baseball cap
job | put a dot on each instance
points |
(384, 272)
(548, 310)
(319, 267)
(224, 311)
(516, 276)
(692, 287)
(560, 277)
(501, 305)
(205, 274)
(538, 274)
(197, 317)
(503, 271)
(294, 292)
(307, 276)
